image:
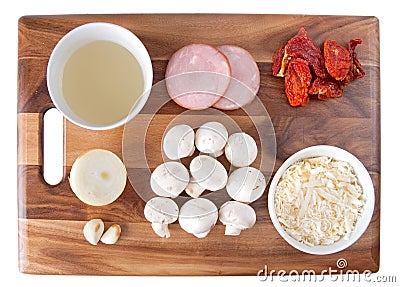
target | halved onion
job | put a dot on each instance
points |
(98, 177)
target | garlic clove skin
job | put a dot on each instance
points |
(112, 234)
(93, 230)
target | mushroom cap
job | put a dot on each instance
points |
(237, 215)
(161, 210)
(198, 215)
(178, 142)
(216, 154)
(246, 184)
(211, 137)
(208, 172)
(169, 179)
(241, 149)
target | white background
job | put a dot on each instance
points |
(390, 96)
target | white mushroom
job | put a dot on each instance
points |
(216, 154)
(169, 179)
(241, 150)
(193, 189)
(192, 151)
(236, 216)
(161, 211)
(178, 142)
(211, 137)
(198, 216)
(246, 184)
(208, 172)
(98, 177)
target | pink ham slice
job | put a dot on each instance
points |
(197, 76)
(245, 80)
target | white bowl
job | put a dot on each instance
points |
(364, 180)
(80, 36)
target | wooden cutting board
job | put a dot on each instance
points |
(51, 218)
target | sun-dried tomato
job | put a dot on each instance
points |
(297, 80)
(326, 88)
(337, 59)
(278, 68)
(356, 71)
(332, 70)
(301, 46)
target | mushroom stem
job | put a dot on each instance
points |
(194, 189)
(236, 216)
(161, 229)
(202, 235)
(232, 230)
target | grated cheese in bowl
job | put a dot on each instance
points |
(318, 200)
(340, 206)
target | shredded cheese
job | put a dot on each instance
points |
(318, 200)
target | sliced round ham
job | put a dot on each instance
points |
(197, 76)
(245, 80)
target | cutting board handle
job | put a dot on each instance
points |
(41, 143)
(53, 146)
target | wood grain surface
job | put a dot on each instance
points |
(51, 218)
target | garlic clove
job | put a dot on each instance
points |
(112, 234)
(93, 230)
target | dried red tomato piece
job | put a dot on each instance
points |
(301, 46)
(337, 59)
(297, 80)
(277, 69)
(326, 88)
(356, 71)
